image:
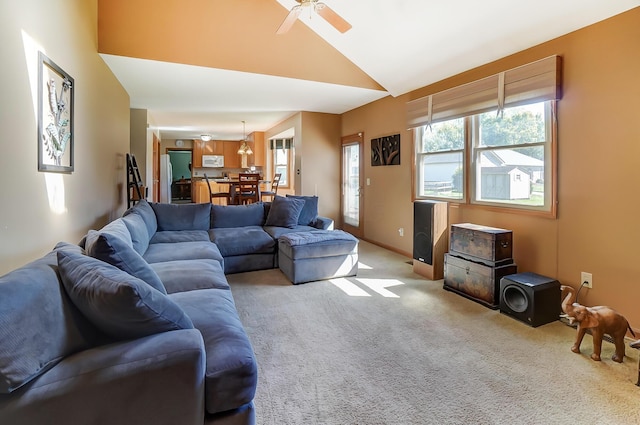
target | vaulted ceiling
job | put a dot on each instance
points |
(204, 66)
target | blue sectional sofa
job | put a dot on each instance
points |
(137, 323)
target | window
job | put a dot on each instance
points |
(510, 154)
(282, 156)
(281, 165)
(440, 159)
(491, 141)
(509, 157)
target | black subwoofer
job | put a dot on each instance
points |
(530, 298)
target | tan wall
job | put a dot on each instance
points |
(317, 157)
(31, 224)
(320, 161)
(599, 145)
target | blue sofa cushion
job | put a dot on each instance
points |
(197, 250)
(284, 212)
(237, 215)
(35, 339)
(275, 232)
(189, 275)
(231, 374)
(182, 216)
(309, 213)
(119, 304)
(148, 215)
(113, 250)
(168, 236)
(242, 240)
(138, 231)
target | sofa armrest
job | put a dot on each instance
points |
(324, 223)
(157, 380)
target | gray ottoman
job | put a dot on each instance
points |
(324, 254)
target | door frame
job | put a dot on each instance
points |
(352, 139)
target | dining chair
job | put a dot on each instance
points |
(217, 195)
(274, 187)
(248, 189)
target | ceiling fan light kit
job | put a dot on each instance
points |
(324, 11)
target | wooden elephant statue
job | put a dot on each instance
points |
(600, 319)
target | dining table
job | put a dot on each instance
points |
(233, 185)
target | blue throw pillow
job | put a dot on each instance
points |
(111, 249)
(148, 215)
(117, 303)
(284, 212)
(139, 233)
(309, 213)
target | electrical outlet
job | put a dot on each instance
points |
(588, 278)
(401, 231)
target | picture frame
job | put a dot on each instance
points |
(385, 150)
(55, 117)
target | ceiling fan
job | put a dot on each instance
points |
(318, 7)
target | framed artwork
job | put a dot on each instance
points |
(55, 117)
(385, 150)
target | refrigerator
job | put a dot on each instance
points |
(166, 178)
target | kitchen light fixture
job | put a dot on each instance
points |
(205, 137)
(244, 147)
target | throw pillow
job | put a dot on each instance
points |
(148, 215)
(284, 212)
(309, 212)
(138, 230)
(113, 250)
(117, 303)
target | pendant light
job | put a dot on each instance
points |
(244, 147)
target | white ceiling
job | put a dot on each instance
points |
(402, 44)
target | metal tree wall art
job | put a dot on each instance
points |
(385, 150)
(55, 117)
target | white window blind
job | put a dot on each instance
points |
(534, 82)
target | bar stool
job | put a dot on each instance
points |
(248, 189)
(214, 195)
(274, 187)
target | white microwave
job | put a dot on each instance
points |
(212, 161)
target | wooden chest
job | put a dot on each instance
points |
(476, 281)
(483, 244)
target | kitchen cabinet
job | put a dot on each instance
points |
(197, 153)
(201, 192)
(212, 147)
(230, 152)
(256, 142)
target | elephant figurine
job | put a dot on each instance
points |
(600, 319)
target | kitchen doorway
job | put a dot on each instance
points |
(179, 179)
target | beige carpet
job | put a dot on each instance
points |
(389, 347)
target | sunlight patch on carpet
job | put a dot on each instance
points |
(363, 266)
(349, 288)
(380, 285)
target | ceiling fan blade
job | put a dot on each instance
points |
(289, 20)
(332, 17)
